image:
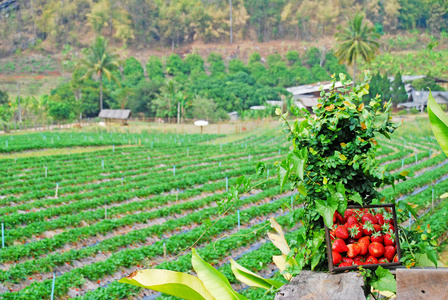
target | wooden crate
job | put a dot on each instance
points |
(333, 268)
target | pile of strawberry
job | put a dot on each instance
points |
(363, 237)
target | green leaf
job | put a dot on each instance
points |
(326, 210)
(385, 281)
(177, 284)
(215, 282)
(356, 198)
(261, 167)
(298, 165)
(251, 279)
(278, 111)
(439, 123)
(283, 173)
(302, 190)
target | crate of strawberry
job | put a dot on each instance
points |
(364, 236)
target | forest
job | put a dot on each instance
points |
(159, 23)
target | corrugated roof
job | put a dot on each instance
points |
(121, 114)
(309, 101)
(312, 88)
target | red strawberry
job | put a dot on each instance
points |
(367, 228)
(344, 264)
(339, 246)
(396, 258)
(337, 258)
(364, 244)
(387, 227)
(348, 213)
(377, 237)
(380, 219)
(353, 250)
(369, 217)
(359, 258)
(389, 252)
(355, 231)
(389, 239)
(341, 232)
(339, 217)
(377, 228)
(388, 218)
(376, 249)
(371, 260)
(359, 263)
(351, 221)
(332, 235)
(351, 241)
(383, 260)
(347, 260)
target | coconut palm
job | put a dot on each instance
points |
(100, 61)
(357, 39)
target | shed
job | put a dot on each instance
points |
(115, 114)
(233, 116)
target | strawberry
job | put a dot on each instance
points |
(377, 237)
(337, 258)
(364, 244)
(387, 227)
(380, 219)
(396, 258)
(369, 217)
(389, 239)
(351, 241)
(355, 231)
(344, 264)
(353, 250)
(339, 246)
(332, 235)
(376, 249)
(341, 232)
(347, 260)
(359, 258)
(348, 213)
(383, 260)
(377, 228)
(351, 221)
(359, 263)
(371, 260)
(339, 217)
(367, 228)
(388, 218)
(389, 252)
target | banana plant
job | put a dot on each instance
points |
(210, 284)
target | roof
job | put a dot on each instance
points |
(422, 96)
(274, 102)
(308, 101)
(258, 107)
(233, 113)
(407, 78)
(312, 88)
(115, 114)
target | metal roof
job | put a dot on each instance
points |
(121, 114)
(309, 101)
(312, 88)
(407, 78)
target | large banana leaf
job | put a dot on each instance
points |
(216, 283)
(169, 282)
(439, 123)
(251, 279)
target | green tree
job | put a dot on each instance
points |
(399, 94)
(429, 82)
(4, 98)
(154, 68)
(216, 64)
(356, 40)
(100, 61)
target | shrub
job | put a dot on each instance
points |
(154, 68)
(293, 58)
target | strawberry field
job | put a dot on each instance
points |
(91, 218)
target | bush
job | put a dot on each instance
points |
(402, 112)
(236, 66)
(273, 59)
(217, 66)
(254, 57)
(293, 58)
(176, 66)
(414, 110)
(154, 68)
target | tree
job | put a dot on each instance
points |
(357, 39)
(399, 94)
(100, 61)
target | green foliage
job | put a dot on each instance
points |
(133, 71)
(254, 57)
(379, 86)
(319, 73)
(332, 162)
(206, 109)
(195, 64)
(4, 98)
(273, 59)
(333, 66)
(217, 66)
(175, 66)
(399, 94)
(236, 66)
(312, 56)
(154, 68)
(293, 57)
(59, 110)
(427, 83)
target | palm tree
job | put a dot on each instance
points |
(98, 60)
(357, 39)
